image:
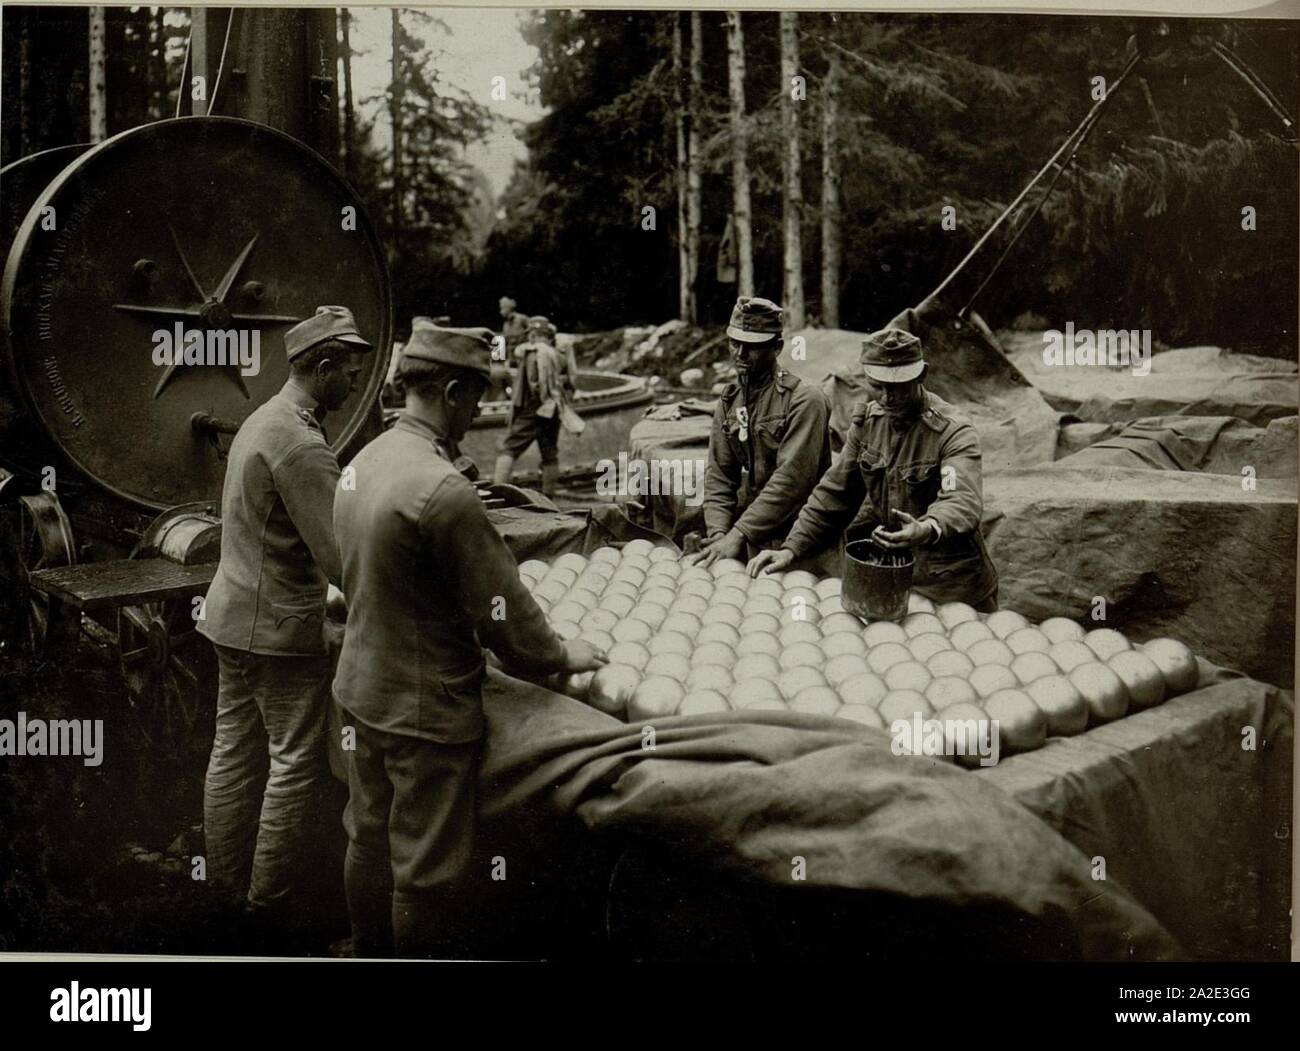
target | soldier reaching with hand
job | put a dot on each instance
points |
(429, 582)
(907, 451)
(769, 444)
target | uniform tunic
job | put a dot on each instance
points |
(429, 583)
(930, 469)
(766, 454)
(277, 542)
(264, 611)
(534, 414)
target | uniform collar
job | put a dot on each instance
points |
(779, 376)
(422, 428)
(932, 415)
(300, 399)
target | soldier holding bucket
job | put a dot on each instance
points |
(908, 455)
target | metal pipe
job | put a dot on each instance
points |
(1082, 129)
(1238, 65)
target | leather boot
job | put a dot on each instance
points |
(550, 478)
(505, 464)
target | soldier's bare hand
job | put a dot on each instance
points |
(766, 562)
(729, 545)
(581, 655)
(910, 533)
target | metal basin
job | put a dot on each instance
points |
(609, 402)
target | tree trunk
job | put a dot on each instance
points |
(740, 155)
(158, 64)
(395, 116)
(693, 185)
(24, 90)
(349, 112)
(683, 163)
(831, 195)
(98, 80)
(793, 187)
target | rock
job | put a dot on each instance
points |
(1175, 553)
(692, 377)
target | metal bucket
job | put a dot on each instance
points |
(873, 589)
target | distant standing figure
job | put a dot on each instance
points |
(545, 379)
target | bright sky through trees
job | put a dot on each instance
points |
(484, 43)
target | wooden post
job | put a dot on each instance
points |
(831, 195)
(25, 137)
(157, 65)
(740, 155)
(793, 186)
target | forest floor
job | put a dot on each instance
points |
(98, 858)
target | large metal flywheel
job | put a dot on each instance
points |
(212, 233)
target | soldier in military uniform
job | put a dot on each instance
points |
(264, 612)
(769, 444)
(910, 452)
(429, 583)
(514, 326)
(544, 377)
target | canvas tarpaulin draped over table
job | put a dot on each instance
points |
(660, 439)
(537, 532)
(736, 797)
(742, 794)
(1189, 811)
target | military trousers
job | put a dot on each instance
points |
(265, 773)
(410, 821)
(526, 428)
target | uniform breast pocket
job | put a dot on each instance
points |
(920, 481)
(769, 432)
(871, 463)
